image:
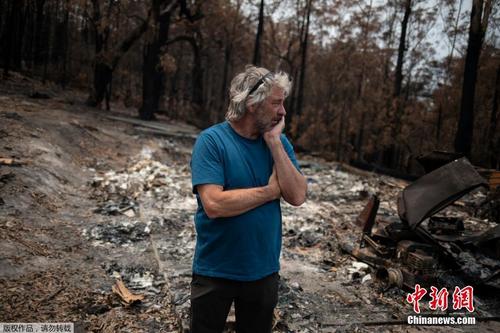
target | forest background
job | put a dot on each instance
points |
(376, 83)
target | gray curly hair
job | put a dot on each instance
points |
(253, 86)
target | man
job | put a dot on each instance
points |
(240, 170)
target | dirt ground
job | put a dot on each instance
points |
(86, 198)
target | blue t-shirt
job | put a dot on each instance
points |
(244, 247)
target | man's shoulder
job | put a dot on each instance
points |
(216, 129)
(211, 137)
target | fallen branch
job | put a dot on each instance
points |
(51, 296)
(127, 297)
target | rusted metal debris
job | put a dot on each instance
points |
(423, 248)
(436, 190)
(493, 177)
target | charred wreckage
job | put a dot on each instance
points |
(421, 247)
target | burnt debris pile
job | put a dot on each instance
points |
(428, 235)
(428, 245)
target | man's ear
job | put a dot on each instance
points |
(250, 107)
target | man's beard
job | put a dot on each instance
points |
(262, 126)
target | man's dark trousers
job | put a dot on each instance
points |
(254, 304)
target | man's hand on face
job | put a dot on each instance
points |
(274, 134)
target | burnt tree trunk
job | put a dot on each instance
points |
(38, 47)
(22, 40)
(56, 43)
(65, 51)
(358, 147)
(103, 75)
(494, 158)
(228, 63)
(388, 40)
(294, 70)
(11, 36)
(398, 80)
(401, 50)
(17, 55)
(2, 11)
(300, 93)
(153, 76)
(227, 60)
(477, 30)
(102, 71)
(197, 73)
(290, 104)
(202, 116)
(260, 28)
(107, 61)
(29, 35)
(340, 146)
(360, 138)
(439, 123)
(394, 151)
(47, 40)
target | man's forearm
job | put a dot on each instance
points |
(292, 183)
(235, 202)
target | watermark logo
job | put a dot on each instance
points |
(462, 298)
(415, 297)
(37, 327)
(439, 299)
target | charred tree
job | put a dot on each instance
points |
(197, 79)
(38, 40)
(342, 125)
(104, 67)
(494, 158)
(102, 71)
(11, 37)
(46, 37)
(361, 84)
(228, 48)
(398, 80)
(229, 41)
(2, 19)
(389, 39)
(197, 74)
(439, 123)
(478, 22)
(398, 101)
(302, 75)
(107, 60)
(153, 76)
(28, 35)
(64, 37)
(19, 60)
(55, 45)
(258, 36)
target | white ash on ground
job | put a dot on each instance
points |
(322, 289)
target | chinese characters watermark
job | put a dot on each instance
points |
(37, 328)
(462, 298)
